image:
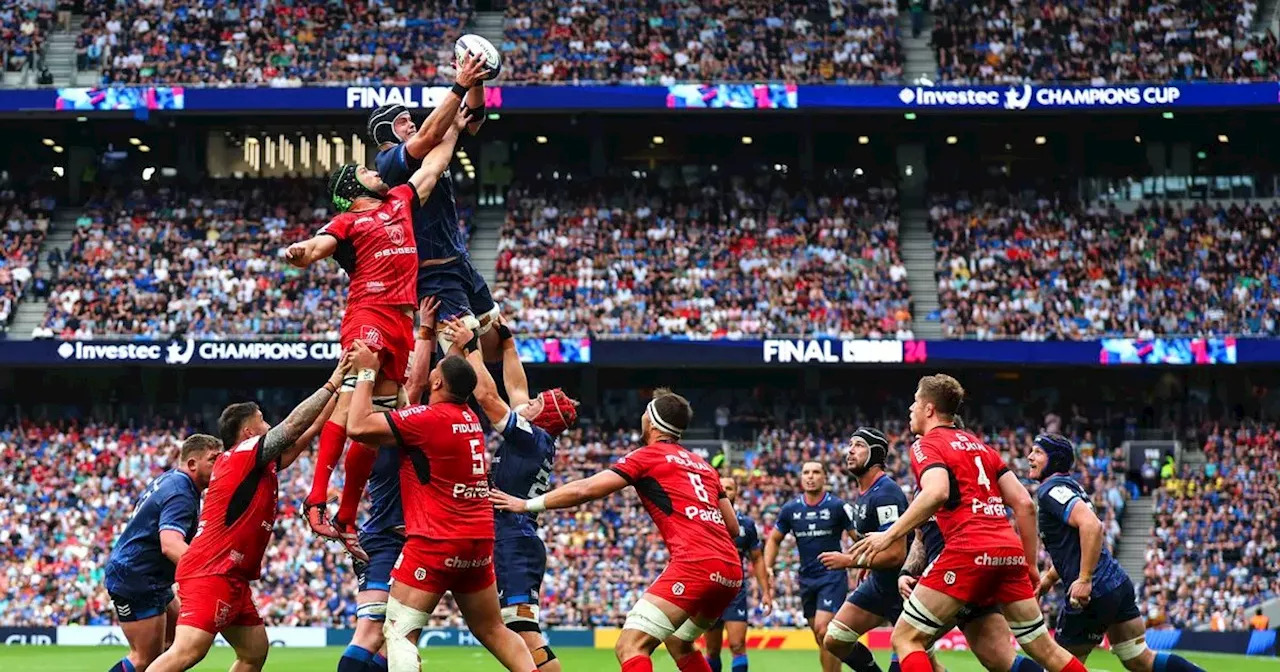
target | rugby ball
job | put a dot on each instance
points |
(478, 45)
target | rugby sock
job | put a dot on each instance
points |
(1170, 662)
(637, 664)
(694, 662)
(354, 659)
(1074, 665)
(740, 663)
(378, 664)
(893, 663)
(1024, 664)
(358, 466)
(860, 659)
(918, 661)
(332, 437)
(714, 662)
(123, 666)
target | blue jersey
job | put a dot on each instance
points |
(817, 530)
(435, 222)
(1057, 496)
(521, 467)
(170, 502)
(747, 541)
(933, 542)
(875, 510)
(385, 511)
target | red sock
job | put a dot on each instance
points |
(359, 465)
(916, 661)
(637, 664)
(694, 662)
(332, 437)
(1074, 665)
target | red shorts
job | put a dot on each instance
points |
(441, 565)
(388, 331)
(212, 603)
(702, 588)
(981, 578)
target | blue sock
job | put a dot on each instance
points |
(354, 659)
(378, 664)
(713, 662)
(123, 666)
(740, 663)
(860, 659)
(1024, 664)
(893, 663)
(1170, 662)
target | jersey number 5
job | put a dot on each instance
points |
(699, 488)
(982, 473)
(477, 458)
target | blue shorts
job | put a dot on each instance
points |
(737, 610)
(520, 564)
(970, 612)
(458, 287)
(1088, 625)
(874, 596)
(823, 594)
(383, 549)
(133, 606)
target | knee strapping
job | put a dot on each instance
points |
(689, 631)
(386, 402)
(1029, 631)
(372, 611)
(1131, 649)
(920, 618)
(543, 655)
(468, 319)
(402, 653)
(487, 321)
(842, 633)
(650, 620)
(522, 618)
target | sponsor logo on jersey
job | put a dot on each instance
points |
(393, 251)
(725, 581)
(1062, 494)
(706, 515)
(236, 557)
(811, 532)
(986, 560)
(477, 491)
(467, 428)
(683, 459)
(916, 451)
(468, 563)
(887, 514)
(992, 507)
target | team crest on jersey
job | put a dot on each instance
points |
(949, 578)
(395, 232)
(825, 514)
(677, 589)
(384, 216)
(222, 614)
(371, 337)
(420, 574)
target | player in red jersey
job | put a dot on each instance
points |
(372, 239)
(444, 485)
(235, 527)
(683, 495)
(985, 561)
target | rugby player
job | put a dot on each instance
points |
(683, 496)
(733, 623)
(139, 573)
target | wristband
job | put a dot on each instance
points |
(476, 113)
(906, 572)
(472, 345)
(329, 387)
(366, 375)
(426, 333)
(537, 504)
(504, 333)
(459, 90)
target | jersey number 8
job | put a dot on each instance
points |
(699, 488)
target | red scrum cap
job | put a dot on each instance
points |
(558, 412)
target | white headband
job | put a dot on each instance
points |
(662, 425)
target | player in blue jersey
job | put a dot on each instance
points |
(817, 519)
(521, 466)
(1100, 596)
(139, 573)
(734, 621)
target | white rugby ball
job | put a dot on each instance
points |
(478, 45)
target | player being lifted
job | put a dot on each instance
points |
(817, 518)
(968, 487)
(523, 464)
(1100, 596)
(139, 574)
(682, 493)
(875, 601)
(235, 527)
(372, 239)
(448, 519)
(733, 623)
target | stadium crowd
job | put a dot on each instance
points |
(23, 26)
(1045, 269)
(724, 258)
(283, 44)
(665, 42)
(25, 223)
(71, 486)
(1096, 42)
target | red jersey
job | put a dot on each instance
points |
(682, 494)
(378, 251)
(444, 474)
(237, 518)
(973, 517)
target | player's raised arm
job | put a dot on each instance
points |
(436, 162)
(1017, 498)
(486, 393)
(471, 71)
(566, 496)
(283, 436)
(304, 441)
(513, 375)
(363, 424)
(307, 252)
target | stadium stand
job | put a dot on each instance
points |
(23, 27)
(1093, 42)
(1037, 269)
(26, 222)
(307, 41)
(718, 259)
(630, 42)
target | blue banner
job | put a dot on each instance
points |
(896, 98)
(28, 636)
(433, 637)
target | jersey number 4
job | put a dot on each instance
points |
(982, 473)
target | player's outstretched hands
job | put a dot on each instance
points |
(836, 560)
(362, 357)
(906, 584)
(504, 502)
(867, 548)
(427, 311)
(457, 331)
(296, 255)
(340, 371)
(1080, 593)
(471, 70)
